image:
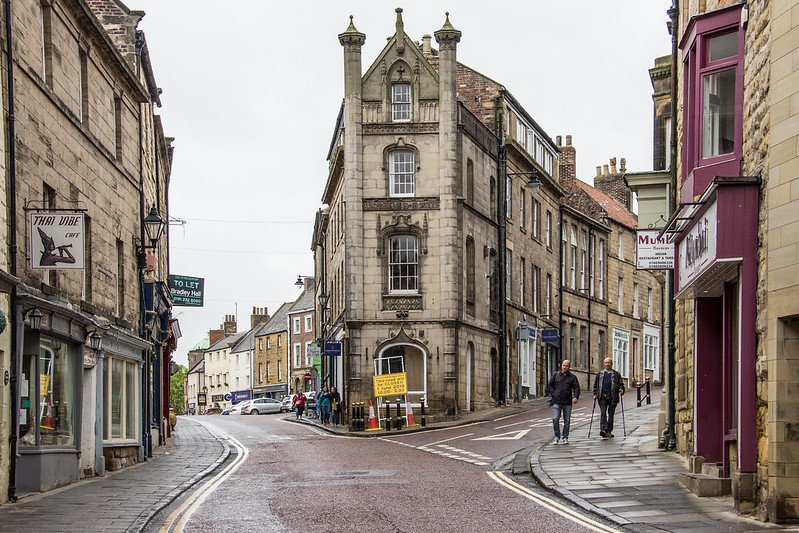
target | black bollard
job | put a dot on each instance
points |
(648, 392)
(638, 394)
(388, 415)
(423, 420)
(399, 414)
(361, 412)
(353, 417)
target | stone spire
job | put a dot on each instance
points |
(447, 36)
(400, 35)
(351, 36)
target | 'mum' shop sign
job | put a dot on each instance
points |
(56, 240)
(186, 291)
(697, 251)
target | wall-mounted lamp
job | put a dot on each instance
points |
(35, 316)
(153, 226)
(94, 339)
(533, 181)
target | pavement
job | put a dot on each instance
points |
(625, 480)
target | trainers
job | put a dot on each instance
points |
(608, 434)
(556, 441)
(602, 434)
(565, 440)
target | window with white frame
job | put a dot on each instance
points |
(522, 208)
(548, 296)
(308, 359)
(120, 399)
(268, 370)
(549, 230)
(536, 218)
(536, 288)
(508, 273)
(573, 258)
(297, 354)
(649, 310)
(401, 173)
(635, 300)
(621, 351)
(601, 269)
(268, 342)
(620, 295)
(583, 257)
(521, 133)
(401, 102)
(591, 263)
(563, 244)
(279, 340)
(621, 245)
(403, 264)
(650, 351)
(509, 197)
(260, 372)
(296, 322)
(308, 323)
(279, 370)
(522, 277)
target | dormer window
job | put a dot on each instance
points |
(401, 102)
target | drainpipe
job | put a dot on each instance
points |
(16, 346)
(146, 422)
(501, 214)
(674, 14)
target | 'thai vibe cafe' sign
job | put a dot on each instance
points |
(186, 291)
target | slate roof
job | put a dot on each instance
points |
(228, 340)
(247, 342)
(278, 322)
(199, 367)
(304, 302)
(615, 210)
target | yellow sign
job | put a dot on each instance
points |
(44, 386)
(391, 384)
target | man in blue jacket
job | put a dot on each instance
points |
(608, 389)
(564, 391)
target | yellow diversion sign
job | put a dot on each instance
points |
(391, 384)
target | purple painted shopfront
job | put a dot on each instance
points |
(717, 269)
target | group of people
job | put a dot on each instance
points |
(564, 391)
(328, 403)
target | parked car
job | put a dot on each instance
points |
(213, 411)
(234, 409)
(261, 406)
(285, 404)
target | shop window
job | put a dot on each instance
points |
(47, 388)
(120, 399)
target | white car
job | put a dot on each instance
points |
(260, 406)
(236, 409)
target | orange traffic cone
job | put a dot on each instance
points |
(408, 413)
(47, 420)
(372, 418)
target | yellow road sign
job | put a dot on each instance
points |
(391, 384)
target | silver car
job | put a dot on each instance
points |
(260, 406)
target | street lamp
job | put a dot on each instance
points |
(153, 225)
(35, 316)
(533, 182)
(95, 340)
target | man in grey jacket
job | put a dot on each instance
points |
(608, 390)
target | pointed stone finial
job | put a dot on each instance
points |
(351, 36)
(447, 35)
(400, 35)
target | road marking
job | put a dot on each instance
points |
(471, 458)
(510, 435)
(550, 504)
(447, 440)
(176, 521)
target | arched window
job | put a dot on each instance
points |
(401, 173)
(403, 263)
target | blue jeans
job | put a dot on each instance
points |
(557, 409)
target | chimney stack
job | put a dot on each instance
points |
(567, 165)
(613, 183)
(230, 324)
(426, 44)
(259, 316)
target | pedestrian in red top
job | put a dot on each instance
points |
(299, 403)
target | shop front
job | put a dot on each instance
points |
(717, 271)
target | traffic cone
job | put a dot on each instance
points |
(372, 418)
(47, 420)
(408, 413)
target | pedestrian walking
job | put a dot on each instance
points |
(298, 401)
(324, 406)
(564, 391)
(335, 405)
(608, 390)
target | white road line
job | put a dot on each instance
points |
(447, 440)
(176, 521)
(552, 505)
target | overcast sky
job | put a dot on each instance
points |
(252, 88)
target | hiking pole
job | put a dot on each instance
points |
(592, 419)
(624, 422)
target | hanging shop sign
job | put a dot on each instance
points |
(186, 291)
(89, 357)
(201, 399)
(333, 349)
(56, 240)
(550, 335)
(652, 253)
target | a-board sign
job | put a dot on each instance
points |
(391, 384)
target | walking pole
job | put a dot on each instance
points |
(592, 419)
(624, 422)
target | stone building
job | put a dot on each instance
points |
(735, 234)
(304, 352)
(87, 151)
(270, 363)
(217, 364)
(242, 356)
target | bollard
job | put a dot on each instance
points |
(648, 392)
(361, 420)
(423, 419)
(388, 416)
(637, 394)
(353, 416)
(399, 414)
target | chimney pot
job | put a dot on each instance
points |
(623, 165)
(605, 170)
(612, 165)
(558, 140)
(599, 170)
(568, 140)
(426, 48)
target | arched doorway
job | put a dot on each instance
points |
(405, 357)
